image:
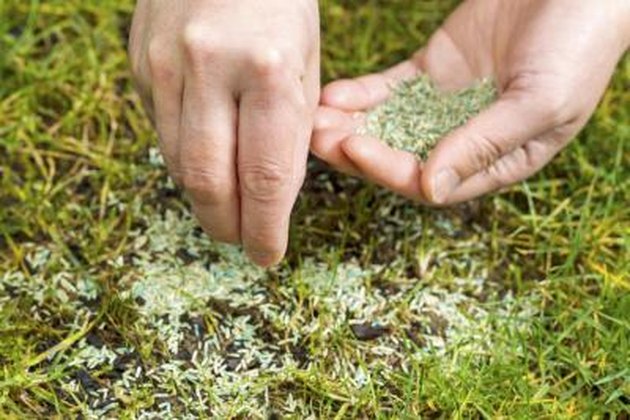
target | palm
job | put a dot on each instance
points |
(529, 48)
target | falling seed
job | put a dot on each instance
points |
(418, 114)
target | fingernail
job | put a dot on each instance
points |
(263, 258)
(444, 183)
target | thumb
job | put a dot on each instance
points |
(510, 122)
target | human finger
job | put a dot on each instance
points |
(512, 120)
(332, 127)
(206, 165)
(274, 128)
(396, 170)
(367, 91)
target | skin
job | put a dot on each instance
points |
(552, 61)
(232, 88)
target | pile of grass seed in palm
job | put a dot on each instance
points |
(418, 114)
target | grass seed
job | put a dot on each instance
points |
(418, 114)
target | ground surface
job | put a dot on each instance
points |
(112, 302)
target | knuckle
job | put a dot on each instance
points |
(550, 105)
(508, 170)
(497, 176)
(267, 59)
(557, 109)
(199, 44)
(205, 187)
(547, 97)
(485, 151)
(530, 156)
(270, 64)
(514, 167)
(264, 182)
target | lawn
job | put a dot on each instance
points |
(112, 302)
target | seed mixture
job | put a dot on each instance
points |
(418, 114)
(214, 335)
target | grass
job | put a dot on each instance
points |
(112, 302)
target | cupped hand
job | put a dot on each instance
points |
(551, 60)
(232, 88)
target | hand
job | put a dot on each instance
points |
(552, 61)
(232, 88)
